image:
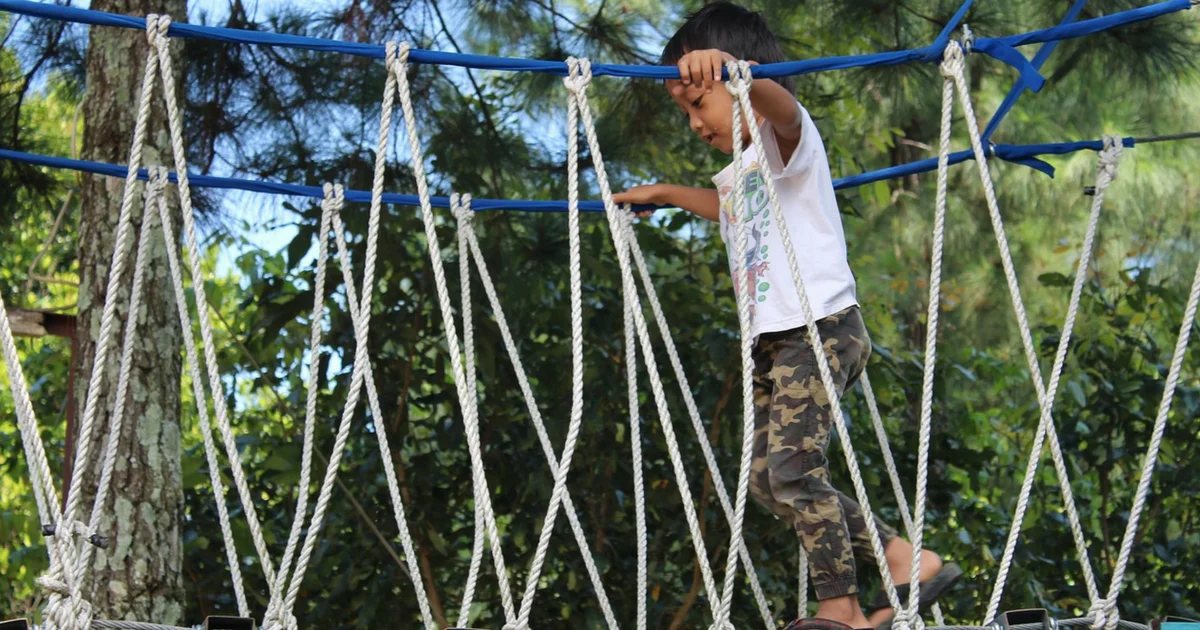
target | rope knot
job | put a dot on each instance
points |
(335, 196)
(460, 205)
(740, 78)
(52, 583)
(397, 55)
(157, 179)
(1104, 614)
(156, 28)
(968, 38)
(1110, 155)
(952, 61)
(579, 74)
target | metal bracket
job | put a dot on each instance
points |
(1010, 618)
(15, 624)
(226, 623)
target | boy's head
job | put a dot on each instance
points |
(732, 29)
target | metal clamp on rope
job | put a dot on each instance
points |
(1011, 618)
(228, 623)
(95, 539)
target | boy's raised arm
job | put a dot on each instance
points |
(702, 202)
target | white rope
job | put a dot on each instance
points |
(894, 475)
(158, 175)
(689, 401)
(71, 616)
(739, 85)
(116, 421)
(1045, 392)
(461, 209)
(635, 429)
(329, 205)
(361, 373)
(65, 567)
(398, 66)
(159, 40)
(467, 232)
(1111, 617)
(577, 84)
(916, 529)
(574, 81)
(359, 310)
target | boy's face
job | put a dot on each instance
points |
(709, 112)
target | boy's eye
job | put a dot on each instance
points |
(696, 103)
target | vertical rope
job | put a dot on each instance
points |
(917, 526)
(398, 64)
(1110, 617)
(635, 430)
(1045, 393)
(460, 206)
(579, 89)
(564, 466)
(116, 420)
(740, 115)
(689, 401)
(885, 448)
(197, 379)
(535, 415)
(739, 85)
(159, 40)
(328, 208)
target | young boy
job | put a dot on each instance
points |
(793, 422)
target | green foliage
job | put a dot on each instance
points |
(306, 117)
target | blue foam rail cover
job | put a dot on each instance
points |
(1025, 154)
(1001, 48)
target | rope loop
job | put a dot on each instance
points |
(1110, 155)
(460, 205)
(335, 196)
(579, 74)
(952, 62)
(157, 181)
(739, 78)
(397, 56)
(156, 29)
(1105, 615)
(968, 38)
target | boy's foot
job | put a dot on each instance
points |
(934, 578)
(843, 610)
(817, 623)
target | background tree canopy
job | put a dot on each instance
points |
(305, 117)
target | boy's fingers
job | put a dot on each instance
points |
(685, 72)
(717, 65)
(697, 70)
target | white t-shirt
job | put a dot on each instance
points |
(805, 191)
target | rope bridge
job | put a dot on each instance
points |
(72, 535)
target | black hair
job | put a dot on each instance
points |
(733, 29)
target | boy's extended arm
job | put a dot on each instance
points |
(775, 103)
(702, 202)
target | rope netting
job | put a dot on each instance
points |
(70, 541)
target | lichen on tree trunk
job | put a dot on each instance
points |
(139, 575)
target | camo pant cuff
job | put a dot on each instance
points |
(837, 588)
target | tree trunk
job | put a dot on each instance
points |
(139, 575)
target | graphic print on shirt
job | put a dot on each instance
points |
(758, 228)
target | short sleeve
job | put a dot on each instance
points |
(804, 154)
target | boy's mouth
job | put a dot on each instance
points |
(710, 138)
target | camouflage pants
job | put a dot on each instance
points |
(793, 424)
